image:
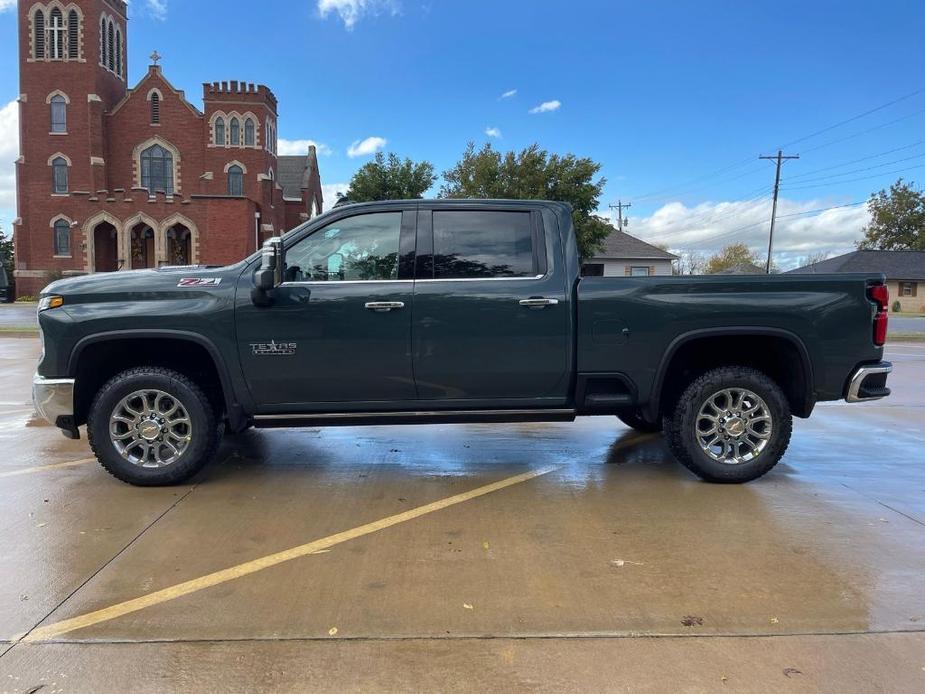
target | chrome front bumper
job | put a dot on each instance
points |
(53, 399)
(860, 389)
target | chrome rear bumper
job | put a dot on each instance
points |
(860, 389)
(54, 399)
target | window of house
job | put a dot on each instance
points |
(58, 114)
(592, 270)
(62, 231)
(235, 180)
(155, 108)
(364, 247)
(469, 243)
(639, 271)
(157, 170)
(220, 131)
(38, 34)
(235, 132)
(59, 174)
(908, 288)
(56, 34)
(249, 133)
(73, 35)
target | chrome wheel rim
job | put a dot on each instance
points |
(733, 426)
(150, 428)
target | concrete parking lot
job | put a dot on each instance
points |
(542, 557)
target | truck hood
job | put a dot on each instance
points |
(145, 281)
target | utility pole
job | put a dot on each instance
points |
(619, 207)
(780, 157)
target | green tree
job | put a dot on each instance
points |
(534, 174)
(732, 255)
(7, 255)
(390, 178)
(897, 219)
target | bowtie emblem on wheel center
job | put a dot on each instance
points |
(735, 426)
(149, 430)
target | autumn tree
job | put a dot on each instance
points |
(732, 255)
(534, 174)
(897, 219)
(390, 178)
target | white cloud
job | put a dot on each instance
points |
(7, 5)
(547, 106)
(156, 8)
(352, 11)
(9, 151)
(707, 227)
(508, 94)
(363, 148)
(285, 147)
(493, 132)
(329, 192)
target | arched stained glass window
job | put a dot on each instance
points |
(235, 180)
(157, 169)
(59, 174)
(220, 131)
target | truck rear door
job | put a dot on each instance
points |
(491, 323)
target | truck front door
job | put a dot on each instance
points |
(491, 313)
(338, 330)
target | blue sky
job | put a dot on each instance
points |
(661, 94)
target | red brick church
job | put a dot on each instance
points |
(112, 178)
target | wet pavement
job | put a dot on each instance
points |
(20, 315)
(574, 556)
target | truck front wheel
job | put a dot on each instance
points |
(152, 426)
(732, 424)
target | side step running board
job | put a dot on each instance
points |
(418, 417)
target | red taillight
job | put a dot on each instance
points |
(881, 296)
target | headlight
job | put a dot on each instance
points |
(47, 302)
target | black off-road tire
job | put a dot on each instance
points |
(680, 425)
(634, 420)
(206, 432)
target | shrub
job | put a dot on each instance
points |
(897, 307)
(26, 299)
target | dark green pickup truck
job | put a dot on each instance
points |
(447, 311)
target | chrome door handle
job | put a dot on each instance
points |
(383, 306)
(538, 302)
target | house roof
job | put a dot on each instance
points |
(896, 265)
(292, 174)
(742, 269)
(621, 245)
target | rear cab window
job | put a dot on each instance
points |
(480, 244)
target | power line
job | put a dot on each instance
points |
(619, 207)
(710, 216)
(854, 118)
(864, 132)
(855, 161)
(861, 170)
(733, 232)
(852, 180)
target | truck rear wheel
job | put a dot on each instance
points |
(151, 426)
(633, 419)
(732, 424)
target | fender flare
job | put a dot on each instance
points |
(744, 331)
(233, 408)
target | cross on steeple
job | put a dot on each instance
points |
(155, 56)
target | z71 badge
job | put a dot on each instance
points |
(272, 348)
(199, 282)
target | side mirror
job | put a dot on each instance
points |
(270, 273)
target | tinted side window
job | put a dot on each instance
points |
(470, 243)
(364, 247)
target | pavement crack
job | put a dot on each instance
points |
(16, 641)
(884, 504)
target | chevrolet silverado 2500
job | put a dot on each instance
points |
(447, 311)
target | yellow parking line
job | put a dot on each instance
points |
(41, 468)
(233, 572)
